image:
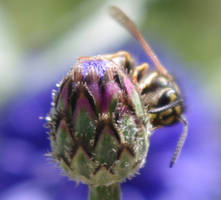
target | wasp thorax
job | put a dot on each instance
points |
(98, 132)
(161, 97)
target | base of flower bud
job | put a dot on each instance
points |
(111, 192)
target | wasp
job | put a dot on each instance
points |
(158, 90)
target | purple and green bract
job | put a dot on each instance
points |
(99, 133)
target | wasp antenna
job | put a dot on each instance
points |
(127, 23)
(166, 107)
(180, 143)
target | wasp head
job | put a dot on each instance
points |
(162, 99)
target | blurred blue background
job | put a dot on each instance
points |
(40, 41)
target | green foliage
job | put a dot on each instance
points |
(38, 22)
(191, 27)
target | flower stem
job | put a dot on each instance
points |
(111, 192)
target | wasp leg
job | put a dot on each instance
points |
(84, 58)
(122, 58)
(139, 71)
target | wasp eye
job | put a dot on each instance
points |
(168, 108)
(167, 97)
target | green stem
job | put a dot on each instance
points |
(111, 192)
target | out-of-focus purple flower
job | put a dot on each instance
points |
(26, 172)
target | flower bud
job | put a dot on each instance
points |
(99, 132)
